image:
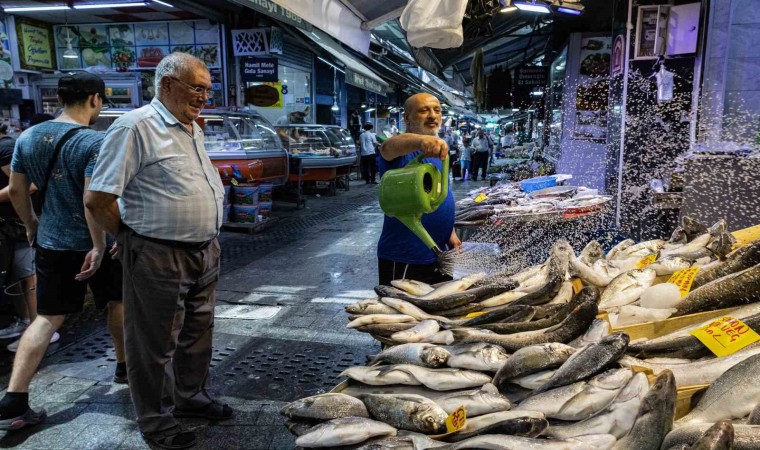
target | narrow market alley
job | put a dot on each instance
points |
(279, 334)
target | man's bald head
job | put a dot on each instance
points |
(422, 113)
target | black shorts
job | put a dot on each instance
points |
(58, 293)
(427, 273)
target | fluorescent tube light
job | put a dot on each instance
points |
(331, 64)
(533, 7)
(163, 3)
(108, 5)
(509, 9)
(36, 8)
(574, 12)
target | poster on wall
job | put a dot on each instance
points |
(130, 46)
(35, 45)
(6, 69)
(265, 95)
(592, 93)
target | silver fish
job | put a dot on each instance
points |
(626, 288)
(588, 361)
(503, 298)
(746, 437)
(418, 333)
(406, 412)
(619, 247)
(444, 337)
(655, 417)
(740, 288)
(343, 431)
(425, 355)
(591, 253)
(532, 359)
(325, 407)
(732, 396)
(480, 356)
(379, 375)
(697, 244)
(599, 328)
(506, 442)
(642, 249)
(699, 372)
(740, 259)
(476, 402)
(532, 381)
(385, 329)
(409, 309)
(413, 287)
(454, 286)
(581, 400)
(370, 319)
(669, 265)
(616, 419)
(754, 416)
(564, 295)
(588, 274)
(720, 436)
(444, 379)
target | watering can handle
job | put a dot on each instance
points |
(440, 196)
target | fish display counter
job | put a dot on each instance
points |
(541, 358)
(323, 153)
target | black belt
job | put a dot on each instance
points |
(175, 244)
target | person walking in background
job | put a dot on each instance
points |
(465, 157)
(167, 217)
(58, 156)
(369, 145)
(480, 155)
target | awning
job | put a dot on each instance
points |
(357, 74)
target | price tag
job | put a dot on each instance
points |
(683, 279)
(726, 335)
(234, 182)
(647, 261)
(456, 420)
(474, 314)
(577, 285)
(480, 198)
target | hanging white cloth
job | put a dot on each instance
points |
(665, 84)
(434, 23)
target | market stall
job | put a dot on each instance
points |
(322, 155)
(579, 352)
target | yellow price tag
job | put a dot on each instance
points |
(726, 335)
(577, 285)
(683, 279)
(647, 261)
(234, 182)
(456, 420)
(474, 314)
(480, 198)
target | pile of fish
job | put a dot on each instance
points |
(536, 366)
(508, 201)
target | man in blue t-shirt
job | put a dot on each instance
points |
(70, 246)
(400, 253)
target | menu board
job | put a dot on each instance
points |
(35, 45)
(134, 46)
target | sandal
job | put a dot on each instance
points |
(212, 411)
(173, 438)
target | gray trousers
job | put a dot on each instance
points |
(168, 326)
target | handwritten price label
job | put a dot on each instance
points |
(456, 420)
(480, 198)
(647, 261)
(577, 285)
(726, 335)
(683, 279)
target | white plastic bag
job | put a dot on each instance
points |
(434, 23)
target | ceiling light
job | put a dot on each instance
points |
(370, 110)
(574, 12)
(108, 5)
(335, 106)
(532, 6)
(509, 9)
(515, 109)
(537, 93)
(36, 8)
(363, 105)
(163, 3)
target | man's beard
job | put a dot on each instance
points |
(420, 128)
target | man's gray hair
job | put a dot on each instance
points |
(173, 65)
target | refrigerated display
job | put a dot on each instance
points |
(122, 90)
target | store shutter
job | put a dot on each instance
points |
(296, 55)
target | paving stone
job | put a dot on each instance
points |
(42, 437)
(102, 437)
(269, 414)
(106, 393)
(107, 414)
(61, 392)
(234, 438)
(133, 440)
(61, 412)
(282, 439)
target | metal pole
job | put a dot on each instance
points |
(623, 108)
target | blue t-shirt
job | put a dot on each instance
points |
(62, 223)
(397, 242)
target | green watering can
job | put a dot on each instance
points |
(411, 191)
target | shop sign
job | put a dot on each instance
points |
(265, 95)
(253, 69)
(366, 83)
(531, 76)
(35, 46)
(618, 55)
(276, 11)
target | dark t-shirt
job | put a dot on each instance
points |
(397, 242)
(7, 144)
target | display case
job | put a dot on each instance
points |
(318, 146)
(241, 144)
(122, 90)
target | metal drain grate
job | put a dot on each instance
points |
(283, 370)
(96, 347)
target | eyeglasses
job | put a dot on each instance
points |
(199, 90)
